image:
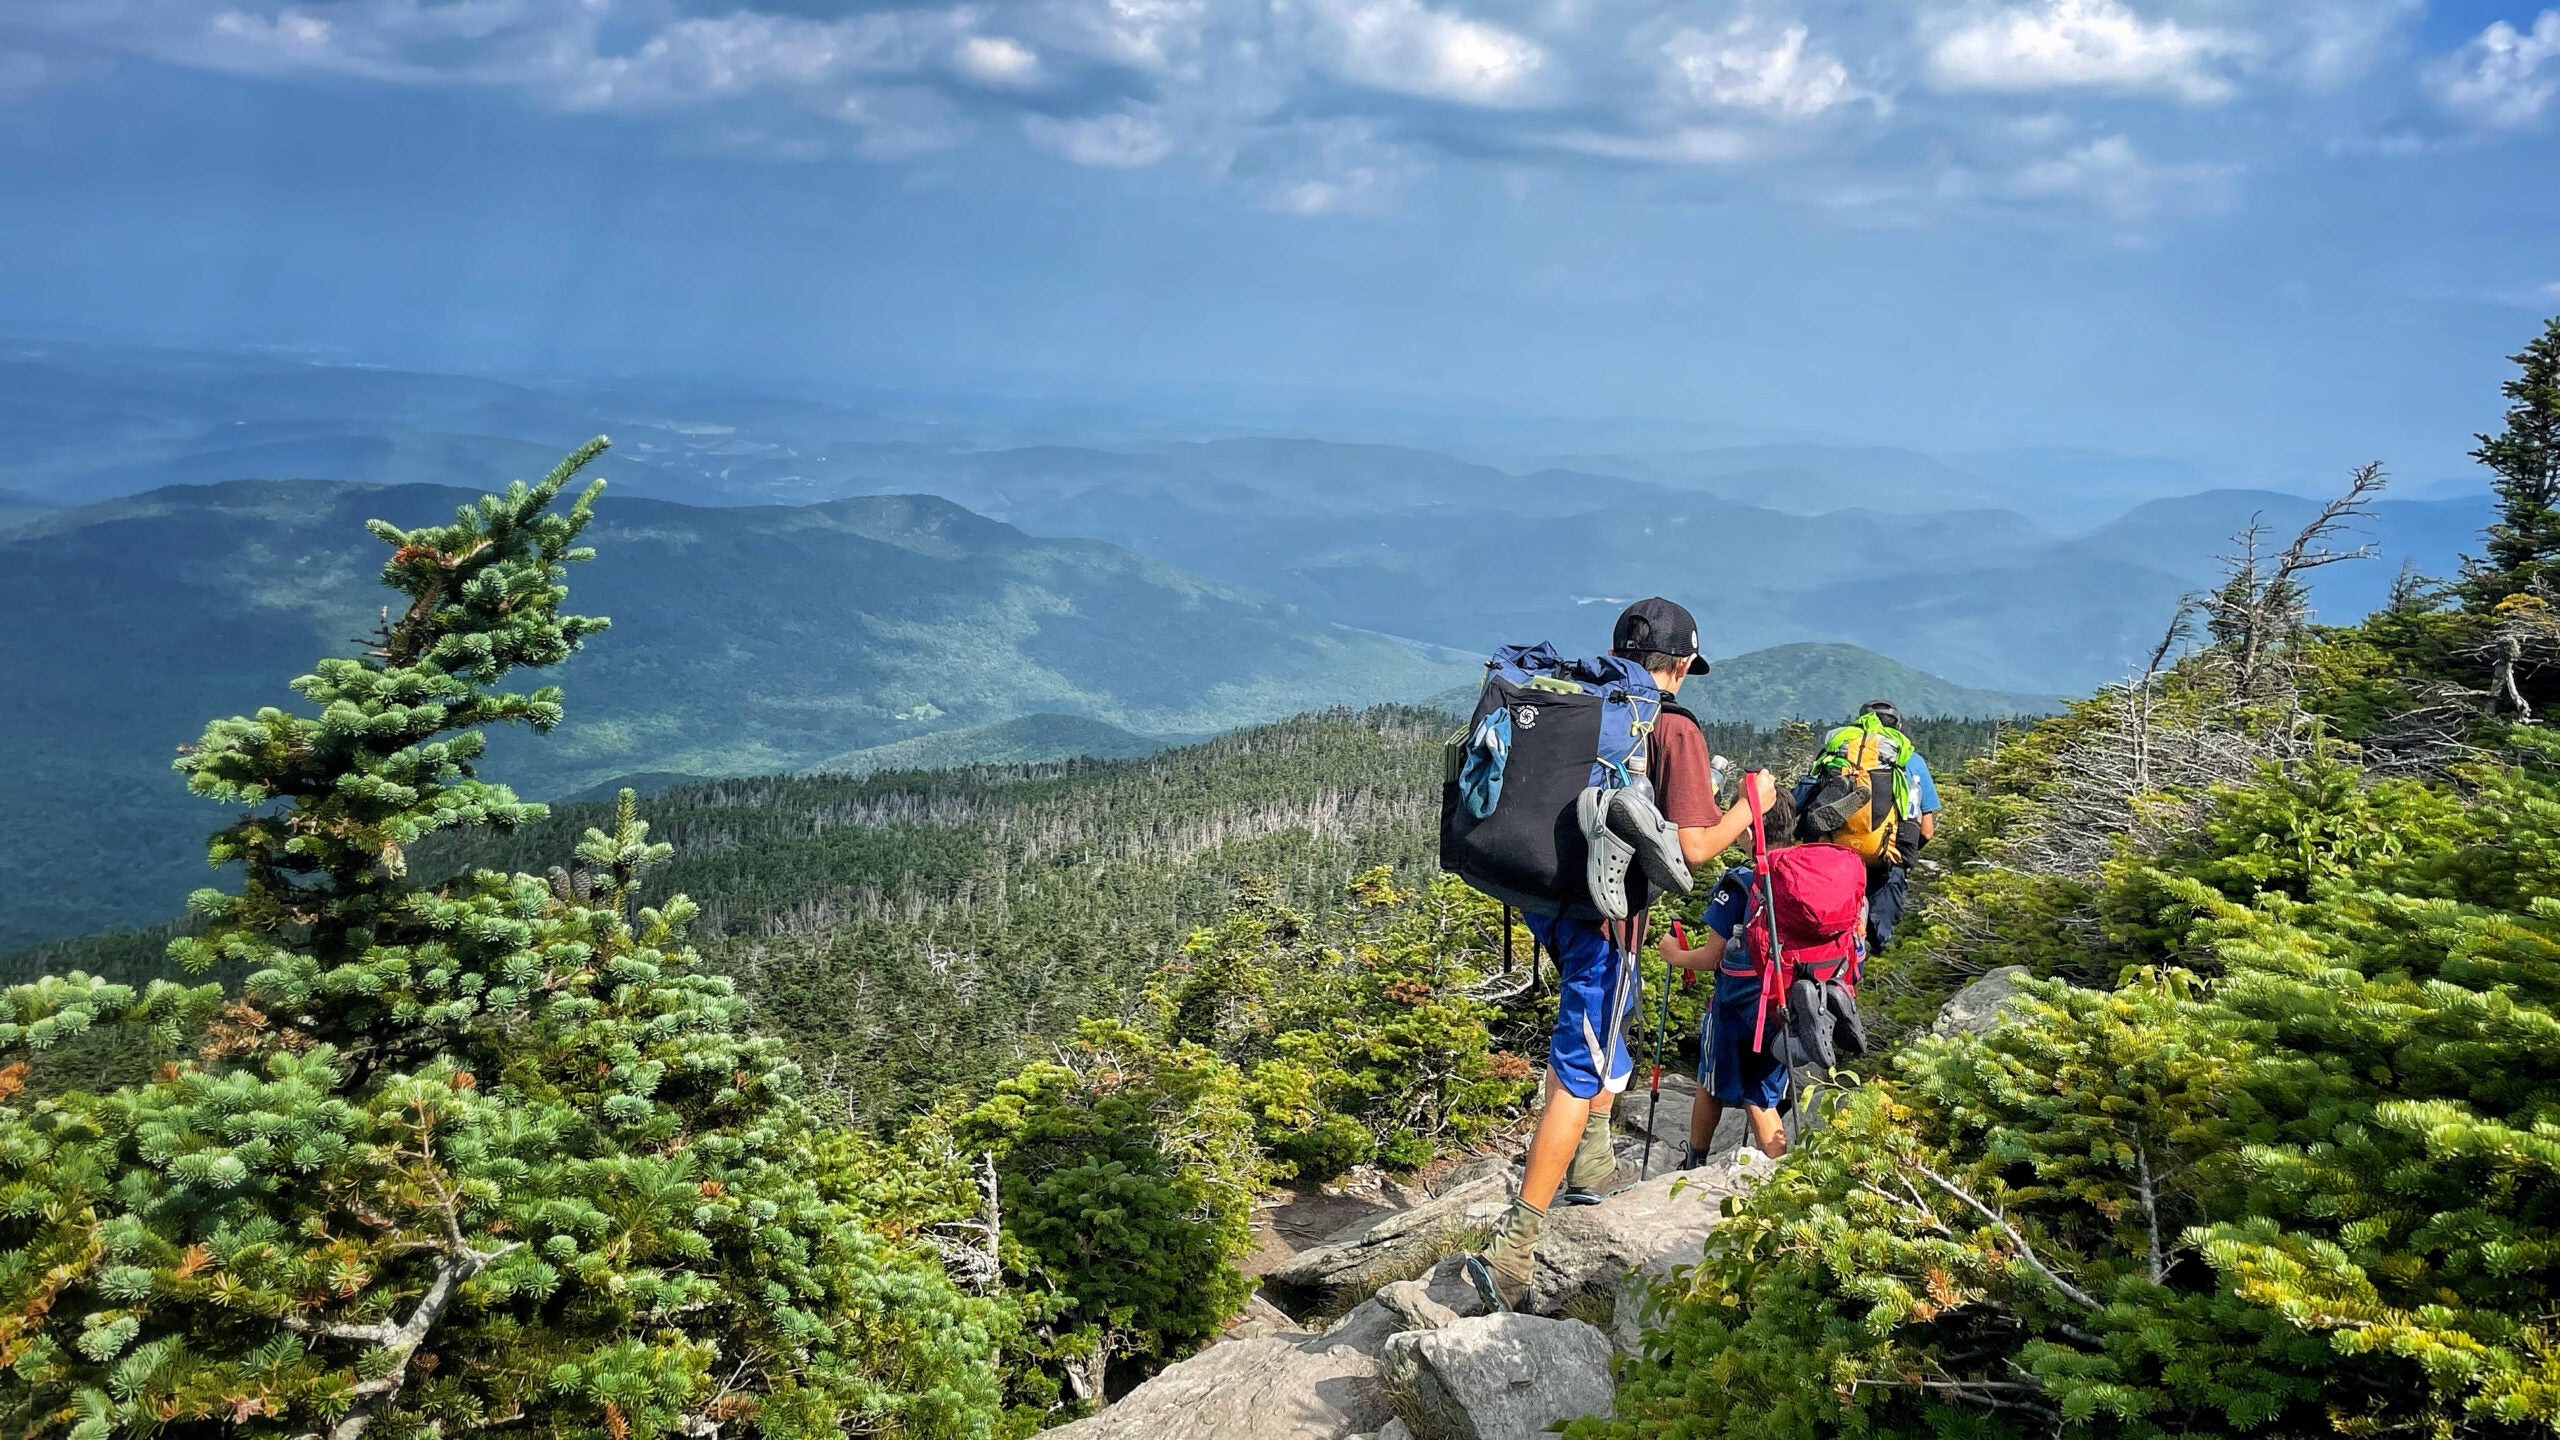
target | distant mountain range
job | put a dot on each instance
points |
(2025, 571)
(1830, 682)
(746, 640)
(1821, 682)
(1469, 557)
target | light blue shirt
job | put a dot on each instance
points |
(1924, 790)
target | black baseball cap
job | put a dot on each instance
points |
(1884, 711)
(1663, 626)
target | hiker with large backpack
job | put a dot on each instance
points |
(1781, 935)
(1578, 789)
(1871, 791)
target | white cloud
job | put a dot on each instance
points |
(902, 122)
(1118, 140)
(2504, 78)
(1741, 66)
(693, 61)
(1408, 48)
(1310, 106)
(1689, 145)
(2084, 44)
(2110, 175)
(1151, 35)
(997, 60)
(1329, 167)
(2329, 43)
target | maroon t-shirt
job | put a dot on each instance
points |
(1684, 776)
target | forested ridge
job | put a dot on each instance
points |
(916, 932)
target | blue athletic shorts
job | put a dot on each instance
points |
(1728, 1068)
(1600, 990)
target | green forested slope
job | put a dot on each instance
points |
(1031, 739)
(915, 930)
(748, 640)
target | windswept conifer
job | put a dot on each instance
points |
(466, 1153)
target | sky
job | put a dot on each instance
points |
(2269, 237)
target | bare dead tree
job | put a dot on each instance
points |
(971, 1249)
(2181, 631)
(2263, 603)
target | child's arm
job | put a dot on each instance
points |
(1705, 955)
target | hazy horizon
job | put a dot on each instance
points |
(2264, 240)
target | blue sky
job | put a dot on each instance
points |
(2271, 237)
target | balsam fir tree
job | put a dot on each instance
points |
(481, 1154)
(2524, 458)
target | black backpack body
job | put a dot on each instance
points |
(1547, 729)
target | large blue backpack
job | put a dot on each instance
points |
(1545, 728)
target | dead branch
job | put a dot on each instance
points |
(2026, 1252)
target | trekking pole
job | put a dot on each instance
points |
(1653, 1108)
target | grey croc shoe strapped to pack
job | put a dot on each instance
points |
(1611, 853)
(1635, 818)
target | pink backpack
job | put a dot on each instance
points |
(1814, 903)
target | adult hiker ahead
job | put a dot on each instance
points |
(1577, 787)
(1872, 791)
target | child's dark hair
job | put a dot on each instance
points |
(1779, 819)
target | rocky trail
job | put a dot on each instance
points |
(1412, 1352)
(1369, 1330)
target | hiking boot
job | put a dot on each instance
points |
(1695, 1158)
(1503, 1271)
(1611, 854)
(1577, 1195)
(1634, 816)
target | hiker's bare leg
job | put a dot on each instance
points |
(1705, 1113)
(1551, 1149)
(1768, 1130)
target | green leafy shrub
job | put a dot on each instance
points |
(482, 1153)
(1372, 1042)
(1127, 1177)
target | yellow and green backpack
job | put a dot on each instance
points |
(1861, 792)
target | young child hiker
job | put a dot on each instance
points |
(1730, 1071)
(1588, 1063)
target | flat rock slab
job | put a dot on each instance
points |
(1497, 1377)
(1649, 1228)
(1331, 1278)
(1274, 1387)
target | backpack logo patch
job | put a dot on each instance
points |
(1527, 716)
